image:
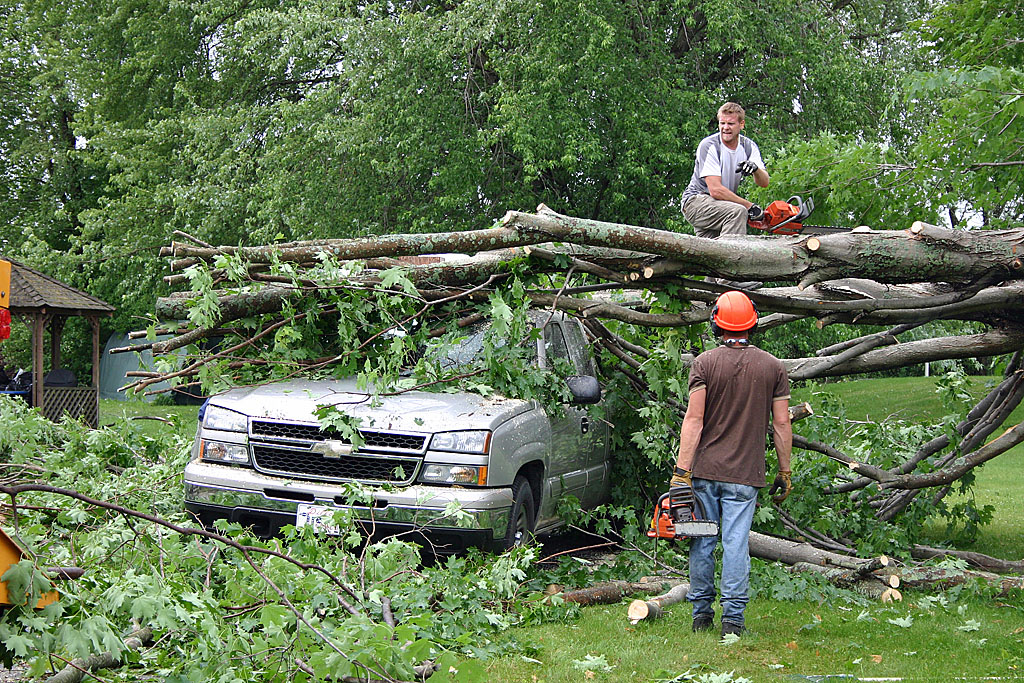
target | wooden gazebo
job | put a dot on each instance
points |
(45, 303)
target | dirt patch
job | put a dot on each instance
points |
(15, 675)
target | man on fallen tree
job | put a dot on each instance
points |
(710, 202)
(734, 390)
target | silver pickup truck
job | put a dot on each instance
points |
(453, 469)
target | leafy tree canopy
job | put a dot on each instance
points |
(242, 122)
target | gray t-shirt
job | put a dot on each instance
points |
(741, 383)
(714, 158)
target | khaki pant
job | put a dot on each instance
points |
(713, 218)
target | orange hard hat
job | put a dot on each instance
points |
(734, 311)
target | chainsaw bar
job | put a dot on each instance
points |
(695, 528)
(823, 229)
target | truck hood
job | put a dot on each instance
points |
(414, 411)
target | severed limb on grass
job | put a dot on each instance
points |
(652, 608)
(979, 560)
(610, 592)
(791, 552)
(77, 669)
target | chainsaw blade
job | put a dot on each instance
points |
(696, 528)
(823, 230)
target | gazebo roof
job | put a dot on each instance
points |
(34, 291)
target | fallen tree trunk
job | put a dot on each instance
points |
(924, 252)
(652, 608)
(791, 552)
(639, 278)
(610, 592)
(979, 560)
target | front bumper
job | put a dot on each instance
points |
(444, 515)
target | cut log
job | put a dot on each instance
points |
(800, 411)
(992, 564)
(790, 552)
(942, 578)
(646, 610)
(868, 585)
(78, 668)
(610, 592)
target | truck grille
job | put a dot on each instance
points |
(306, 465)
(283, 448)
(307, 432)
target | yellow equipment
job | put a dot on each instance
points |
(5, 284)
(12, 553)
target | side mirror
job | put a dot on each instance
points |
(584, 388)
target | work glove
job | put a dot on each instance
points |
(784, 483)
(680, 478)
(755, 213)
(747, 168)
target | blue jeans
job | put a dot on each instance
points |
(732, 506)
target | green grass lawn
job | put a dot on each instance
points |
(785, 641)
(150, 417)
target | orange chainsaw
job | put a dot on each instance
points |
(679, 514)
(787, 218)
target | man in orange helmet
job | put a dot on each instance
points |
(735, 389)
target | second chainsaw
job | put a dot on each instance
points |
(679, 514)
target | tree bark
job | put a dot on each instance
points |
(609, 592)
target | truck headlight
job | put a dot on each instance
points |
(227, 453)
(226, 420)
(477, 441)
(473, 475)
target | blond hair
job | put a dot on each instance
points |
(732, 108)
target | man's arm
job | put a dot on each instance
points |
(719, 191)
(761, 177)
(783, 430)
(722, 193)
(693, 425)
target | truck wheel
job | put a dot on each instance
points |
(523, 517)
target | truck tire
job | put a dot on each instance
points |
(523, 518)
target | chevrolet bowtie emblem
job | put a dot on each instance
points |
(332, 449)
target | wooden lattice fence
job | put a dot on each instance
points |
(78, 402)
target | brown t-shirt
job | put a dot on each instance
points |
(741, 382)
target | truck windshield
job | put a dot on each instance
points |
(462, 353)
(466, 350)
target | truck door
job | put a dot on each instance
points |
(569, 451)
(596, 442)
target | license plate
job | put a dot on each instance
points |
(320, 517)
